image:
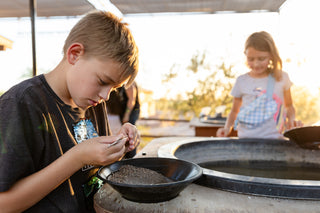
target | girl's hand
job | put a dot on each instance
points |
(133, 135)
(293, 124)
(97, 151)
(223, 132)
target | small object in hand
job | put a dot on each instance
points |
(117, 141)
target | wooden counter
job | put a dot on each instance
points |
(206, 129)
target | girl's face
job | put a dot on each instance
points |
(258, 62)
(91, 80)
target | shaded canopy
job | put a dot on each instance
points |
(205, 6)
(20, 8)
(33, 8)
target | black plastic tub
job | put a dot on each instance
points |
(275, 154)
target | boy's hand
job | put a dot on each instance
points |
(133, 135)
(98, 151)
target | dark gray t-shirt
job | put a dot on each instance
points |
(34, 122)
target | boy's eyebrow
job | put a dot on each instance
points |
(108, 79)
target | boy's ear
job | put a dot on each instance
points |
(74, 51)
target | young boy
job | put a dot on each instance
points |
(53, 127)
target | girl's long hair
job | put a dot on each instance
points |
(263, 41)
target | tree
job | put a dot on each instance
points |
(213, 90)
(307, 105)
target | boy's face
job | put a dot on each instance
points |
(91, 80)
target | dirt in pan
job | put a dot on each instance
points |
(129, 174)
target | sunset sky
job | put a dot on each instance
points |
(167, 40)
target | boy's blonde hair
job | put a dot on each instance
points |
(104, 35)
(263, 41)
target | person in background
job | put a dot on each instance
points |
(114, 108)
(124, 105)
(262, 104)
(130, 96)
(54, 130)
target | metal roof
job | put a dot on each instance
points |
(33, 8)
(205, 6)
(20, 8)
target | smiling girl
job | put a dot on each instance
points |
(262, 103)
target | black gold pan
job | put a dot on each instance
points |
(307, 137)
(182, 173)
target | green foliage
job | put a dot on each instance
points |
(307, 105)
(170, 75)
(27, 74)
(197, 62)
(174, 109)
(213, 90)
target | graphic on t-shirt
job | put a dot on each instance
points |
(84, 130)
